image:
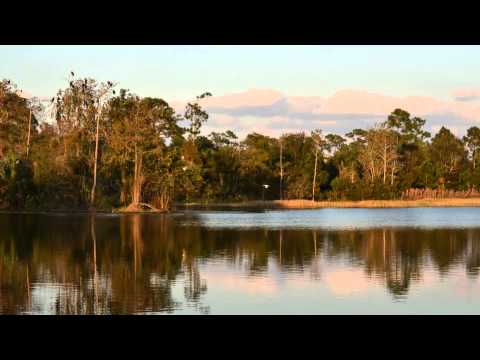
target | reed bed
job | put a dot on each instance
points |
(308, 204)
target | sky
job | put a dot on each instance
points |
(275, 88)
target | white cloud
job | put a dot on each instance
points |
(273, 113)
(471, 94)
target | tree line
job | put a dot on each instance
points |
(110, 149)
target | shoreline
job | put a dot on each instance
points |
(365, 204)
(274, 205)
(81, 212)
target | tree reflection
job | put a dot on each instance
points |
(194, 285)
(131, 264)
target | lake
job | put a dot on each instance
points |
(322, 261)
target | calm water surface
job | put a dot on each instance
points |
(326, 261)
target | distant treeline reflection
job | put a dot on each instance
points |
(129, 264)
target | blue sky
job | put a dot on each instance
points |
(176, 72)
(179, 73)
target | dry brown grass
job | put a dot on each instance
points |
(381, 203)
(308, 204)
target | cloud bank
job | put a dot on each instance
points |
(273, 113)
(466, 94)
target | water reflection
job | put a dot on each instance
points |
(157, 264)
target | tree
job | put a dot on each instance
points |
(78, 110)
(448, 156)
(196, 115)
(334, 142)
(411, 129)
(16, 120)
(411, 146)
(34, 106)
(101, 97)
(472, 141)
(139, 131)
(16, 126)
(299, 162)
(379, 156)
(259, 157)
(319, 145)
(221, 161)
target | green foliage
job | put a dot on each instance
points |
(17, 189)
(196, 115)
(448, 156)
(472, 141)
(411, 129)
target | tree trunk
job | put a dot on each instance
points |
(124, 189)
(314, 175)
(92, 195)
(173, 187)
(29, 131)
(138, 179)
(281, 170)
(385, 163)
(393, 172)
(373, 170)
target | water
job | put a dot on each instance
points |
(326, 261)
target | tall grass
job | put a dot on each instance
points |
(308, 204)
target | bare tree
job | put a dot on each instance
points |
(281, 167)
(77, 109)
(101, 98)
(379, 157)
(319, 144)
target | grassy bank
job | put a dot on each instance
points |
(274, 204)
(308, 204)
